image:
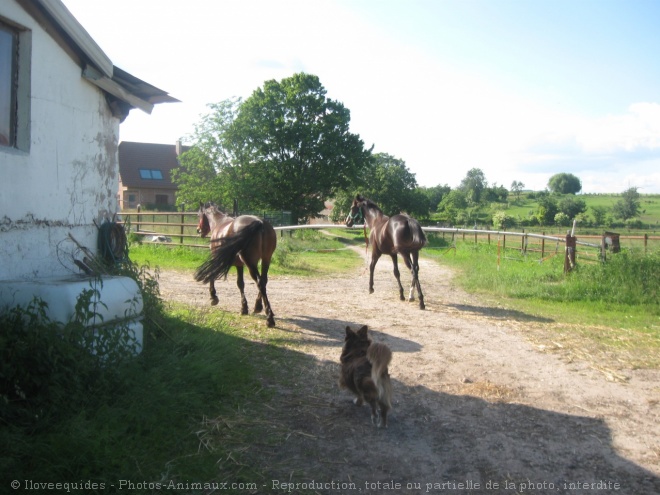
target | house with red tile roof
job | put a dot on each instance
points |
(145, 175)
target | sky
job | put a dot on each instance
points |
(521, 89)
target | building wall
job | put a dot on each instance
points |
(146, 198)
(69, 178)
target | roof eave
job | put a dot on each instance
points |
(97, 66)
(78, 35)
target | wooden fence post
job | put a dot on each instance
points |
(183, 219)
(542, 246)
(569, 257)
(139, 209)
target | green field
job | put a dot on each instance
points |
(649, 207)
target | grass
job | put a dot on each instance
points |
(605, 308)
(167, 257)
(168, 415)
(306, 253)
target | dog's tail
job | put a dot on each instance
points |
(380, 356)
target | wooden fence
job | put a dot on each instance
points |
(181, 228)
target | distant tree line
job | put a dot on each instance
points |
(288, 147)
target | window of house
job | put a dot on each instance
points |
(8, 43)
(151, 174)
(15, 48)
(161, 199)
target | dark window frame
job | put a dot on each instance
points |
(8, 84)
(18, 111)
(150, 174)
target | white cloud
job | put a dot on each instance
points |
(609, 154)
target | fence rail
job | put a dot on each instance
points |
(173, 225)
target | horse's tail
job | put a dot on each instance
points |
(223, 256)
(417, 232)
(380, 356)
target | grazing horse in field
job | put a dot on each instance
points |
(239, 242)
(399, 234)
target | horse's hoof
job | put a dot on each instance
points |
(244, 312)
(371, 291)
(421, 305)
(214, 301)
(270, 323)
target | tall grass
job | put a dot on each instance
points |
(313, 253)
(149, 422)
(299, 253)
(611, 308)
(627, 278)
(167, 257)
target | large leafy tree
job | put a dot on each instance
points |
(451, 206)
(390, 184)
(572, 206)
(599, 214)
(473, 185)
(205, 168)
(628, 206)
(517, 187)
(546, 210)
(394, 187)
(286, 147)
(435, 194)
(564, 184)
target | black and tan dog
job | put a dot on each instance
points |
(364, 372)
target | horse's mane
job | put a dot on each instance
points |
(212, 204)
(367, 202)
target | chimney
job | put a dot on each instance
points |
(178, 147)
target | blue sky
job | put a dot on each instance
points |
(521, 89)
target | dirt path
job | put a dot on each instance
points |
(478, 406)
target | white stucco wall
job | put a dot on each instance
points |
(69, 177)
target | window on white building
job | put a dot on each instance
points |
(15, 48)
(8, 43)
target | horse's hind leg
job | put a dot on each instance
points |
(262, 282)
(397, 275)
(214, 297)
(415, 282)
(409, 265)
(258, 303)
(241, 287)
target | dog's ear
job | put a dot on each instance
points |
(349, 333)
(362, 332)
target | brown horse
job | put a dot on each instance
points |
(400, 234)
(239, 242)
